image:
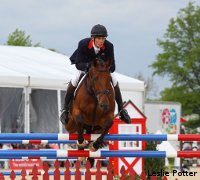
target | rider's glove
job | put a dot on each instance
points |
(87, 67)
(101, 58)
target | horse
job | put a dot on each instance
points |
(93, 105)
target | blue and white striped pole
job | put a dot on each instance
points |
(111, 137)
(56, 154)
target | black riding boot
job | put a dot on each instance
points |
(65, 111)
(123, 114)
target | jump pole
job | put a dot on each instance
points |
(56, 154)
(110, 137)
(44, 142)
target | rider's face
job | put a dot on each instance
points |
(99, 41)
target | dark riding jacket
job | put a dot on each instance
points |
(85, 53)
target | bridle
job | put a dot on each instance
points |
(92, 89)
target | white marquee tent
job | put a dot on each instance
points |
(31, 76)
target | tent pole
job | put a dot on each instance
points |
(27, 109)
(59, 108)
(27, 91)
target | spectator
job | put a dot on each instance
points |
(7, 147)
(1, 162)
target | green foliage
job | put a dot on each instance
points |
(180, 59)
(19, 38)
(52, 49)
(153, 164)
(189, 99)
(192, 124)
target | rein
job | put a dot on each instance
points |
(91, 91)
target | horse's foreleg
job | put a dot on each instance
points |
(80, 130)
(99, 142)
(80, 143)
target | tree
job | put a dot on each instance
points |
(151, 89)
(153, 164)
(180, 59)
(19, 38)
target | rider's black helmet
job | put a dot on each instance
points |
(99, 31)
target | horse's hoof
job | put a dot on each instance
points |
(82, 159)
(82, 145)
(91, 147)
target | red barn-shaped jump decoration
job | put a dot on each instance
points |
(137, 126)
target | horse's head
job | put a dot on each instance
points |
(100, 77)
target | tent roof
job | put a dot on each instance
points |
(42, 68)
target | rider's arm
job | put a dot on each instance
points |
(82, 66)
(81, 57)
(111, 49)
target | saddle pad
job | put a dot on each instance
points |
(79, 83)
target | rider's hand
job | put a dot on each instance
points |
(87, 65)
(101, 58)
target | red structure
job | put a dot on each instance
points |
(137, 126)
(67, 174)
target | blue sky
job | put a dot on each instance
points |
(133, 26)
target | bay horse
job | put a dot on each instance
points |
(93, 105)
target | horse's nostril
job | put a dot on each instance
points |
(101, 105)
(104, 106)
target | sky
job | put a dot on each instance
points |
(133, 27)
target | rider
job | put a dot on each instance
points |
(89, 49)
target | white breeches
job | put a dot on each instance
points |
(75, 79)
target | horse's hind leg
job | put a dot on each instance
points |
(99, 142)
